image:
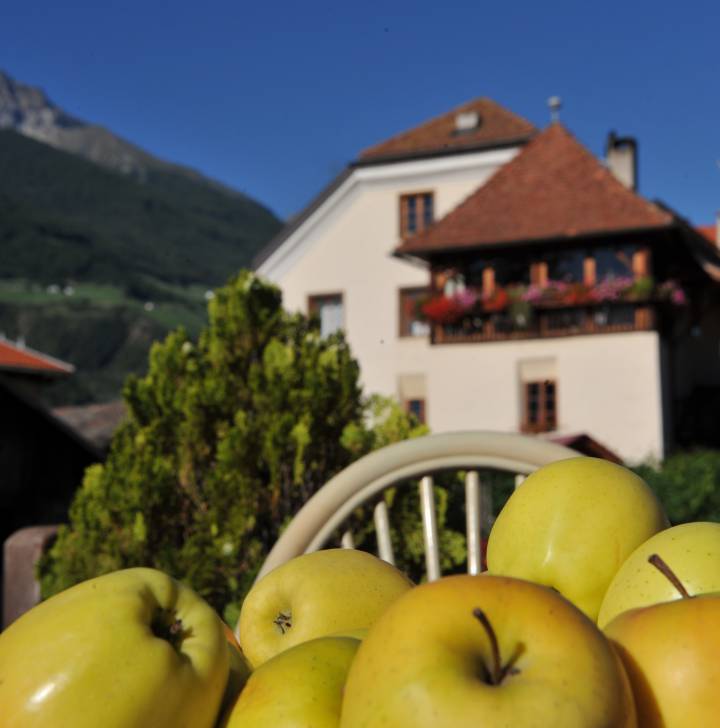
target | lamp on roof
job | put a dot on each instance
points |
(554, 104)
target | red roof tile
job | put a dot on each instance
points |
(496, 126)
(21, 359)
(554, 188)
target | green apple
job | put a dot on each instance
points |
(693, 552)
(670, 651)
(301, 686)
(571, 524)
(314, 595)
(491, 651)
(128, 649)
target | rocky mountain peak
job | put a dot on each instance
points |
(28, 111)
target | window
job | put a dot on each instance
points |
(566, 266)
(410, 322)
(416, 213)
(614, 262)
(416, 407)
(329, 309)
(540, 406)
(412, 392)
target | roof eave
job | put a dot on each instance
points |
(442, 152)
(427, 253)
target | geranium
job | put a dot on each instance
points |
(670, 290)
(611, 289)
(498, 300)
(449, 309)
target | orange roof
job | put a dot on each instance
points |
(709, 232)
(554, 188)
(495, 126)
(17, 358)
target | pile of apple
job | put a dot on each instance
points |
(594, 613)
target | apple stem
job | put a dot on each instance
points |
(669, 574)
(497, 673)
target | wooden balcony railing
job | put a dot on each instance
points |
(560, 320)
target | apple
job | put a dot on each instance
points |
(670, 652)
(301, 686)
(693, 551)
(130, 648)
(571, 524)
(468, 651)
(315, 595)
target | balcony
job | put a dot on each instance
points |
(556, 309)
(548, 321)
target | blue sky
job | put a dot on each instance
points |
(276, 99)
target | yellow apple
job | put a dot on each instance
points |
(491, 651)
(131, 648)
(693, 552)
(670, 652)
(314, 595)
(571, 524)
(301, 686)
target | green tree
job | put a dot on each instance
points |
(225, 439)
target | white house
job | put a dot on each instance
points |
(493, 276)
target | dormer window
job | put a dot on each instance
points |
(417, 212)
(466, 122)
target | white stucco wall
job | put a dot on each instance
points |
(608, 386)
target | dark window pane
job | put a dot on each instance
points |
(510, 270)
(566, 266)
(427, 210)
(614, 262)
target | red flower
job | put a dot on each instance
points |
(443, 310)
(496, 301)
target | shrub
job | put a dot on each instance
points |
(688, 485)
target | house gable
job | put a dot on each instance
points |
(281, 253)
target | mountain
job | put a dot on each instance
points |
(103, 247)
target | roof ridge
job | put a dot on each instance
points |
(439, 133)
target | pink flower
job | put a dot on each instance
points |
(678, 297)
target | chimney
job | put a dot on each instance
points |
(621, 159)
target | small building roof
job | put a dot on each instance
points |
(554, 188)
(19, 358)
(97, 423)
(484, 123)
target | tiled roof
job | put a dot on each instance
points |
(95, 422)
(496, 126)
(18, 358)
(554, 188)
